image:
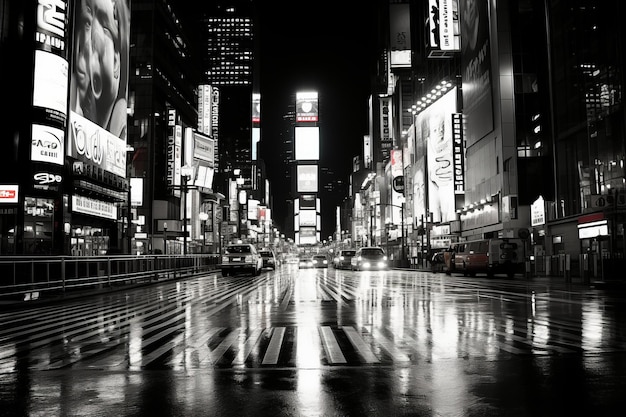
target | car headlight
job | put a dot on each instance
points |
(224, 259)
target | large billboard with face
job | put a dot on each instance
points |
(434, 130)
(307, 143)
(99, 84)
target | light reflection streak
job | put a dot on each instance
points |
(309, 392)
(592, 322)
(134, 345)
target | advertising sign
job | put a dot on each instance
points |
(9, 194)
(47, 144)
(308, 218)
(307, 178)
(307, 107)
(434, 130)
(99, 85)
(458, 151)
(476, 69)
(400, 35)
(86, 205)
(307, 143)
(256, 108)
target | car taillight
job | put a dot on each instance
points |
(248, 258)
(224, 259)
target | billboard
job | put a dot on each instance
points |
(307, 143)
(306, 178)
(400, 35)
(308, 218)
(444, 25)
(476, 69)
(99, 85)
(307, 107)
(256, 108)
(435, 132)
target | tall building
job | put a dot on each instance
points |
(228, 45)
(502, 132)
(162, 111)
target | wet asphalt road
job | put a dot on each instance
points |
(321, 343)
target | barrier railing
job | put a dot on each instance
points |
(31, 277)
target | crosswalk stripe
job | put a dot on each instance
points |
(359, 344)
(252, 340)
(273, 350)
(331, 346)
(390, 347)
(216, 354)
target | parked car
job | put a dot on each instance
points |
(489, 256)
(319, 261)
(268, 257)
(241, 258)
(369, 258)
(305, 262)
(344, 258)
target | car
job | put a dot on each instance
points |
(319, 261)
(369, 258)
(344, 258)
(305, 262)
(241, 258)
(268, 257)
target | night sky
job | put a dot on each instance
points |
(315, 46)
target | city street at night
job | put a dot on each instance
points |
(320, 342)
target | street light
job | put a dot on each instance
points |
(203, 218)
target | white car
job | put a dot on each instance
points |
(241, 258)
(369, 258)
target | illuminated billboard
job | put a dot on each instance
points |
(99, 85)
(307, 236)
(476, 70)
(307, 143)
(444, 25)
(435, 136)
(256, 108)
(307, 218)
(306, 178)
(400, 35)
(307, 107)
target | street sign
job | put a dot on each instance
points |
(398, 184)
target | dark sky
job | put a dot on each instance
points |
(322, 46)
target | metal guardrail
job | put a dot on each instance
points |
(30, 277)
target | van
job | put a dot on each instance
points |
(489, 256)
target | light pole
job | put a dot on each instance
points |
(165, 238)
(185, 172)
(203, 218)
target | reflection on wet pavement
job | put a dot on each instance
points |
(312, 340)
